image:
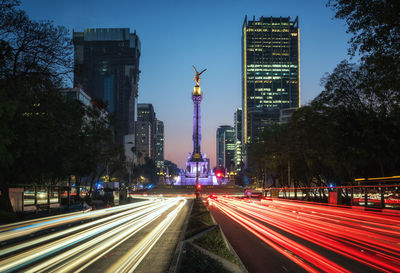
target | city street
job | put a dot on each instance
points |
(116, 239)
(200, 137)
(288, 236)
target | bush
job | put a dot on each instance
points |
(195, 261)
(214, 242)
(199, 220)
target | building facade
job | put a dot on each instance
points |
(220, 155)
(237, 120)
(159, 144)
(106, 66)
(80, 95)
(229, 149)
(76, 94)
(145, 132)
(270, 72)
(225, 146)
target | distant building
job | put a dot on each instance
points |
(76, 94)
(85, 99)
(270, 72)
(159, 155)
(225, 146)
(220, 155)
(286, 114)
(106, 66)
(238, 158)
(145, 132)
(229, 149)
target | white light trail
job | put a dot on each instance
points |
(73, 249)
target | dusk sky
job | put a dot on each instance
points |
(178, 34)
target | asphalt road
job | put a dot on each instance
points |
(118, 239)
(286, 236)
(255, 254)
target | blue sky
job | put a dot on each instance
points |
(178, 34)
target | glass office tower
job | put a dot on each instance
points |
(159, 155)
(225, 146)
(270, 72)
(237, 121)
(106, 67)
(146, 131)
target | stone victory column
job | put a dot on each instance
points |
(196, 166)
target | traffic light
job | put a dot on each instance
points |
(219, 174)
(198, 187)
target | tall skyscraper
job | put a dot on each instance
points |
(145, 132)
(159, 155)
(225, 146)
(270, 72)
(106, 67)
(229, 149)
(237, 120)
(220, 144)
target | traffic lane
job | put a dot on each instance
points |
(158, 260)
(33, 238)
(153, 257)
(255, 254)
(20, 231)
(67, 249)
(332, 247)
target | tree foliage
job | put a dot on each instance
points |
(375, 29)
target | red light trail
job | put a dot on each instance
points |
(367, 237)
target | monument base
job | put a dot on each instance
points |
(210, 180)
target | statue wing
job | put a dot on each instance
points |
(195, 69)
(202, 71)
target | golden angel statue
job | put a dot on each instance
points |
(197, 76)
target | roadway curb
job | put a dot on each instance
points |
(176, 260)
(234, 268)
(241, 265)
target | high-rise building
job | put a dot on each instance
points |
(270, 72)
(225, 146)
(145, 132)
(106, 67)
(237, 120)
(229, 149)
(159, 155)
(220, 155)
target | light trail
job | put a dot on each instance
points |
(12, 231)
(73, 249)
(369, 238)
(290, 248)
(132, 259)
